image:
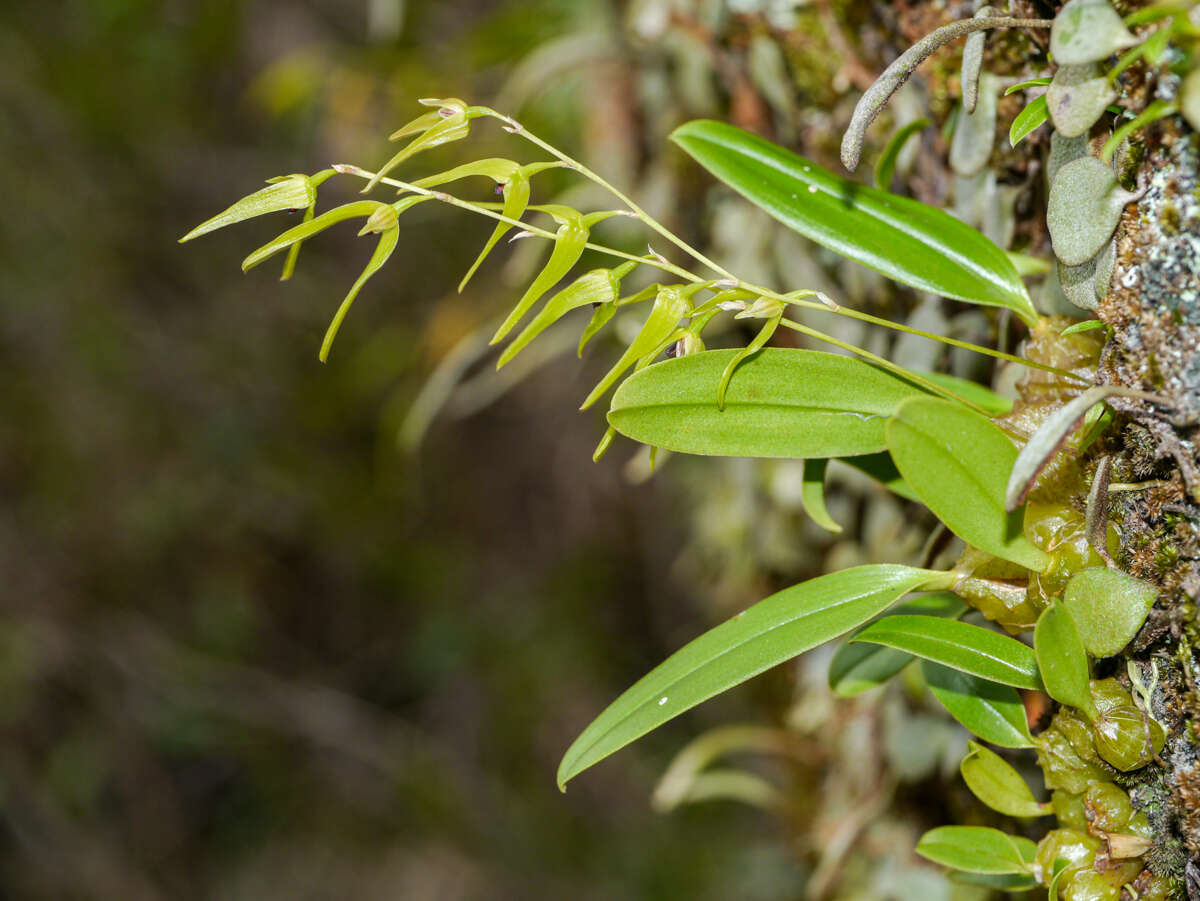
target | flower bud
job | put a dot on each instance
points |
(384, 218)
(763, 308)
(689, 343)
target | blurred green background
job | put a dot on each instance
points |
(248, 648)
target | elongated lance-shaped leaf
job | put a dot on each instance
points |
(772, 631)
(977, 849)
(600, 286)
(960, 646)
(914, 244)
(885, 168)
(1047, 440)
(992, 711)
(569, 242)
(856, 668)
(1063, 660)
(670, 306)
(760, 340)
(998, 785)
(812, 495)
(359, 209)
(958, 462)
(383, 250)
(289, 192)
(780, 403)
(1028, 120)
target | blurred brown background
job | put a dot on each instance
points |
(248, 648)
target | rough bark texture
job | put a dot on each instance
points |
(1154, 311)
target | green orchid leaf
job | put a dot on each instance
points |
(1086, 326)
(978, 849)
(856, 668)
(960, 646)
(1061, 867)
(1027, 265)
(780, 403)
(1108, 608)
(600, 286)
(914, 244)
(883, 470)
(998, 785)
(1023, 85)
(387, 243)
(290, 192)
(886, 167)
(1008, 882)
(772, 631)
(1036, 112)
(670, 306)
(1086, 31)
(1063, 659)
(812, 495)
(983, 397)
(991, 711)
(958, 463)
(569, 243)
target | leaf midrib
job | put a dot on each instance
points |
(942, 642)
(712, 660)
(966, 263)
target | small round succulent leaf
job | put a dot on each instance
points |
(1085, 206)
(1077, 98)
(1087, 31)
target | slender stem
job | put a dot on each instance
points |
(482, 210)
(954, 342)
(517, 128)
(906, 374)
(678, 271)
